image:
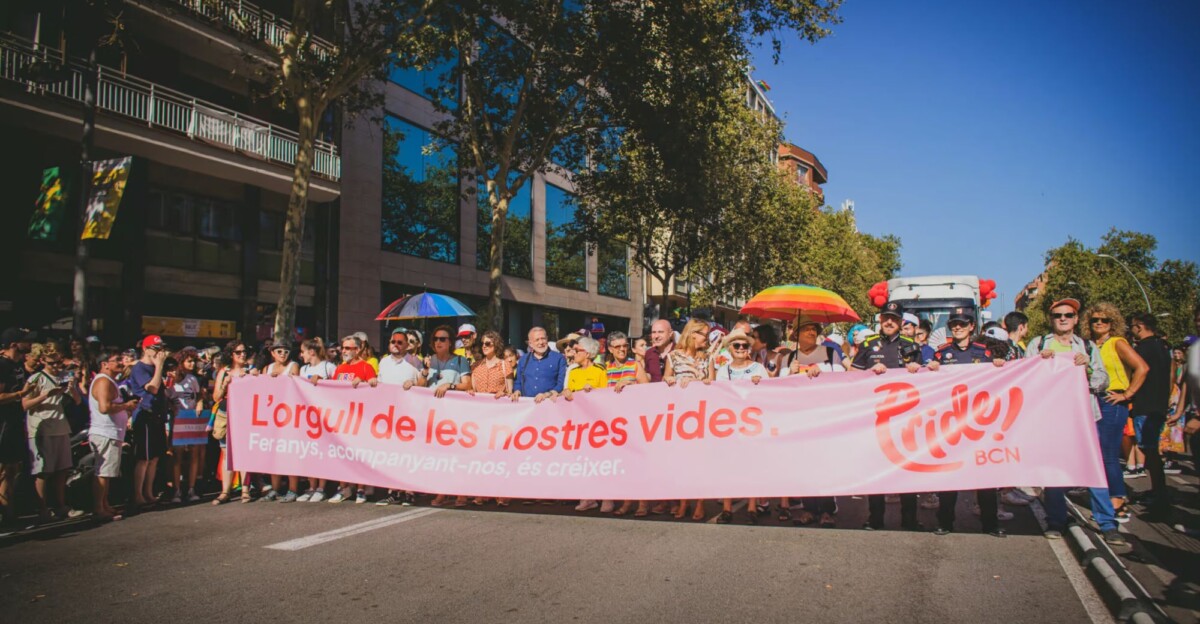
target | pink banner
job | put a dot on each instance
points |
(962, 427)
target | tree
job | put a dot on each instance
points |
(545, 82)
(310, 75)
(1075, 270)
(836, 256)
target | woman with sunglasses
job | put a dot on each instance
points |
(234, 361)
(316, 367)
(624, 368)
(281, 365)
(490, 374)
(1126, 374)
(445, 371)
(687, 362)
(740, 367)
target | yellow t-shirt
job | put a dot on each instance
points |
(374, 362)
(1118, 377)
(579, 378)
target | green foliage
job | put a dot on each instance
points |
(835, 255)
(1074, 270)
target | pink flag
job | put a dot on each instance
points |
(963, 427)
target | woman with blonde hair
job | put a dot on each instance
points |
(1126, 373)
(687, 362)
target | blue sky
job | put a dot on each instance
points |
(984, 134)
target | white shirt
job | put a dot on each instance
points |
(111, 426)
(818, 356)
(396, 371)
(323, 369)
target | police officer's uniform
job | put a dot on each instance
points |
(893, 352)
(948, 355)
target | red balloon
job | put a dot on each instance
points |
(879, 300)
(987, 286)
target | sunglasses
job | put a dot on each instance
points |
(239, 351)
(620, 346)
(349, 348)
(1100, 321)
(441, 338)
(401, 341)
(1062, 315)
(488, 343)
(739, 346)
(283, 351)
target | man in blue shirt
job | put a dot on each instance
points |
(149, 419)
(541, 373)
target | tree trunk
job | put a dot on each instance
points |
(293, 230)
(494, 317)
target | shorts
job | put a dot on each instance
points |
(108, 456)
(14, 444)
(51, 453)
(149, 436)
(1138, 423)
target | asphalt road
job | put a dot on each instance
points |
(269, 562)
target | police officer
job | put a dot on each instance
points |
(890, 349)
(965, 349)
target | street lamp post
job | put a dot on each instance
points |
(1135, 279)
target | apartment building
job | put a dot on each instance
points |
(195, 248)
(194, 252)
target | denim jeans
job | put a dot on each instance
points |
(1056, 508)
(1111, 430)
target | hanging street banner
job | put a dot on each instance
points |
(964, 427)
(51, 205)
(104, 197)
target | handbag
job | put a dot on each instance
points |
(220, 425)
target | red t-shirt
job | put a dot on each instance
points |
(360, 369)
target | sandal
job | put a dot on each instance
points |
(827, 521)
(246, 497)
(641, 512)
(223, 498)
(479, 502)
(624, 509)
(698, 515)
(785, 514)
(724, 517)
(804, 519)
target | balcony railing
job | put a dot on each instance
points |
(166, 109)
(251, 21)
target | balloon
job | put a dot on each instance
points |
(879, 300)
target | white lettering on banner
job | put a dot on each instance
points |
(963, 427)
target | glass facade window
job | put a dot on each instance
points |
(435, 80)
(566, 260)
(518, 231)
(613, 270)
(420, 193)
(270, 247)
(801, 173)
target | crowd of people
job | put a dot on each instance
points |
(156, 421)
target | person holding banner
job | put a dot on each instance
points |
(316, 367)
(1064, 318)
(740, 367)
(878, 353)
(187, 446)
(586, 376)
(690, 362)
(963, 349)
(356, 370)
(235, 365)
(541, 373)
(445, 371)
(281, 366)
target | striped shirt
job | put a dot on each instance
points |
(621, 371)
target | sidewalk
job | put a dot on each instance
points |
(1164, 557)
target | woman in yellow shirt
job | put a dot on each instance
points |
(1126, 373)
(586, 375)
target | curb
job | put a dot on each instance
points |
(1129, 601)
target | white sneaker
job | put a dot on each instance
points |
(360, 497)
(1013, 497)
(930, 501)
(586, 505)
(317, 497)
(193, 497)
(607, 506)
(303, 498)
(342, 495)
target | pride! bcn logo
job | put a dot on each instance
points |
(931, 440)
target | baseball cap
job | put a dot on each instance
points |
(15, 334)
(967, 315)
(399, 330)
(466, 328)
(1069, 301)
(893, 308)
(996, 332)
(153, 340)
(911, 319)
(92, 339)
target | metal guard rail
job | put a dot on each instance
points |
(167, 109)
(250, 20)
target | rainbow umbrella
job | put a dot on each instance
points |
(424, 305)
(791, 300)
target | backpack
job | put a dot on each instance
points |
(1087, 344)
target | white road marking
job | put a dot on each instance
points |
(354, 529)
(1092, 603)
